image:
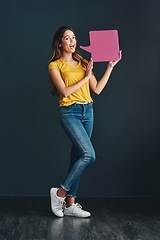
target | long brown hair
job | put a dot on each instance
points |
(56, 49)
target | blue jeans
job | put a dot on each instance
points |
(77, 121)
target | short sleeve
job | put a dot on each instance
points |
(53, 65)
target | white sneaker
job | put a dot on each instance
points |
(76, 210)
(56, 203)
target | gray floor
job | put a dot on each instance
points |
(30, 218)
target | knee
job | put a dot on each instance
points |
(93, 157)
(90, 156)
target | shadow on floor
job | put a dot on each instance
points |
(30, 218)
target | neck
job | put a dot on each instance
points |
(67, 57)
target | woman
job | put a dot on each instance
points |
(73, 77)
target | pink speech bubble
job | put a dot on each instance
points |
(104, 45)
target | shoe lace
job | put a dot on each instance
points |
(78, 205)
(62, 203)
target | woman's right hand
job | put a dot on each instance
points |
(89, 68)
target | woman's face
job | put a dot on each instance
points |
(68, 42)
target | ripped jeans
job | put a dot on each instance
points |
(77, 121)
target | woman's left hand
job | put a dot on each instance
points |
(89, 68)
(113, 63)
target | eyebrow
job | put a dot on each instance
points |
(69, 36)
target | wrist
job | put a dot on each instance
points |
(86, 78)
(110, 65)
(110, 68)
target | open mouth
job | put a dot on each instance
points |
(72, 46)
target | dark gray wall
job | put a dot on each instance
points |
(34, 150)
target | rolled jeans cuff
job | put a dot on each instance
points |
(64, 188)
(71, 195)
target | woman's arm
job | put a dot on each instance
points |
(60, 85)
(98, 86)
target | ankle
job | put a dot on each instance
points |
(61, 192)
(69, 205)
(69, 201)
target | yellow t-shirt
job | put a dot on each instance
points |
(71, 75)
